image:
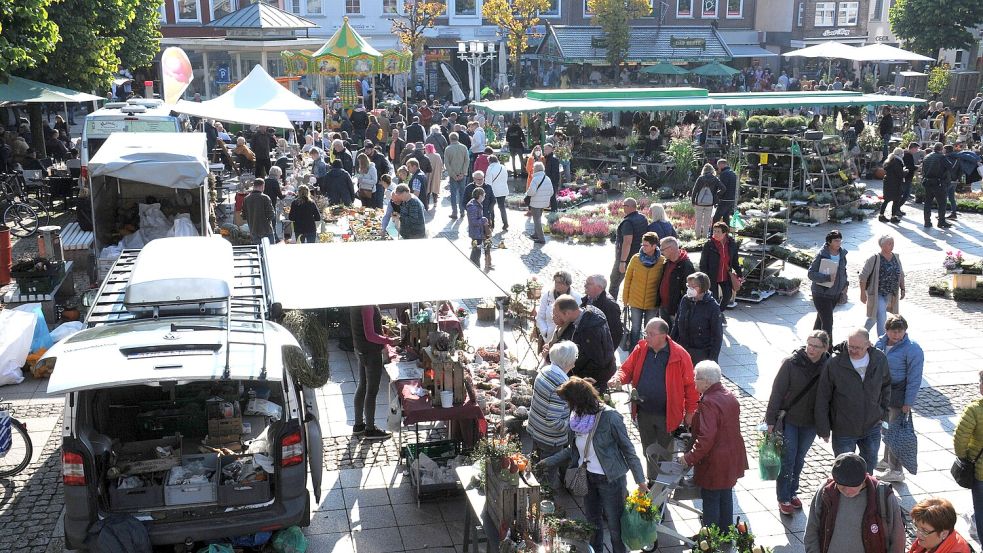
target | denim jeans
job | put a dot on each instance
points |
(905, 192)
(567, 176)
(552, 474)
(869, 445)
(880, 314)
(605, 500)
(978, 504)
(798, 440)
(500, 200)
(369, 376)
(537, 221)
(638, 319)
(457, 193)
(950, 192)
(718, 507)
(937, 193)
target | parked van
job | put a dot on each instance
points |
(137, 115)
(183, 404)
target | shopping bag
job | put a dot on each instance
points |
(769, 457)
(217, 548)
(290, 540)
(637, 532)
(736, 221)
(900, 437)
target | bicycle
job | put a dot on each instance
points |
(23, 215)
(15, 443)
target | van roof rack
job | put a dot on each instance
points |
(246, 314)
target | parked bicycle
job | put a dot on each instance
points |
(21, 214)
(15, 443)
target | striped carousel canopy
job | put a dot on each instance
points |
(347, 43)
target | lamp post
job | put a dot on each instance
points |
(475, 54)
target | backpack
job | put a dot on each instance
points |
(121, 534)
(705, 196)
(884, 491)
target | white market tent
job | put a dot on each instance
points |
(260, 91)
(174, 160)
(374, 273)
(234, 115)
(885, 53)
(827, 50)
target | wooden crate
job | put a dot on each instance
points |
(508, 503)
(962, 281)
(419, 334)
(448, 374)
(487, 314)
(820, 214)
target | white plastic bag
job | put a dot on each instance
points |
(15, 344)
(263, 407)
(182, 226)
(65, 330)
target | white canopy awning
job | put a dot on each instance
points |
(346, 274)
(749, 51)
(171, 159)
(231, 114)
(260, 91)
(829, 50)
(883, 52)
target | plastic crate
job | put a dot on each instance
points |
(136, 499)
(39, 282)
(186, 494)
(440, 451)
(250, 493)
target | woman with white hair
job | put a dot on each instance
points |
(894, 173)
(549, 414)
(540, 192)
(882, 283)
(718, 453)
(660, 222)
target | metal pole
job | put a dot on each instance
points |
(503, 366)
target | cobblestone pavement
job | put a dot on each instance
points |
(756, 339)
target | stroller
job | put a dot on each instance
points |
(672, 485)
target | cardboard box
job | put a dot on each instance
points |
(225, 427)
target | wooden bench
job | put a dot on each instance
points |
(77, 245)
(64, 287)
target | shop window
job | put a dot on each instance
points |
(465, 7)
(353, 6)
(709, 8)
(222, 8)
(735, 9)
(553, 10)
(825, 14)
(390, 6)
(314, 7)
(876, 13)
(186, 10)
(684, 8)
(848, 13)
(802, 12)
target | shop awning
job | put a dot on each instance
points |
(171, 159)
(25, 91)
(750, 51)
(233, 114)
(346, 274)
(648, 44)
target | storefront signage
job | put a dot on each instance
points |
(882, 38)
(222, 75)
(599, 42)
(686, 42)
(836, 32)
(437, 55)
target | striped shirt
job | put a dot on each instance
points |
(548, 414)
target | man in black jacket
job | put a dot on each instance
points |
(935, 178)
(853, 398)
(597, 295)
(910, 167)
(337, 185)
(588, 328)
(263, 142)
(727, 199)
(552, 164)
(360, 122)
(516, 140)
(415, 131)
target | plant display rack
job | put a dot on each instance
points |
(826, 167)
(715, 136)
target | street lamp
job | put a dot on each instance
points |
(475, 54)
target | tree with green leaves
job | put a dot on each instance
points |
(141, 38)
(938, 79)
(27, 35)
(514, 19)
(927, 26)
(614, 17)
(417, 17)
(93, 34)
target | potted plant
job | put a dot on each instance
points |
(755, 123)
(534, 288)
(590, 122)
(773, 124)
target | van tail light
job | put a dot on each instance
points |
(291, 450)
(72, 469)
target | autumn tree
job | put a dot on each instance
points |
(514, 19)
(27, 35)
(927, 26)
(417, 17)
(614, 17)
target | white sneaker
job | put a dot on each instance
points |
(732, 305)
(882, 466)
(892, 476)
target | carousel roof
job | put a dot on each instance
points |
(346, 43)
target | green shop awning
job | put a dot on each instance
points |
(678, 99)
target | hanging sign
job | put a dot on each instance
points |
(687, 42)
(763, 158)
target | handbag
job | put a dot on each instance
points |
(735, 284)
(780, 420)
(964, 471)
(900, 437)
(575, 478)
(625, 344)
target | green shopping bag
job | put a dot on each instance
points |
(769, 457)
(736, 221)
(637, 532)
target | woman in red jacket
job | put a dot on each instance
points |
(718, 452)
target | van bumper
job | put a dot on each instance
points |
(283, 513)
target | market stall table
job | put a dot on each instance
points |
(475, 512)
